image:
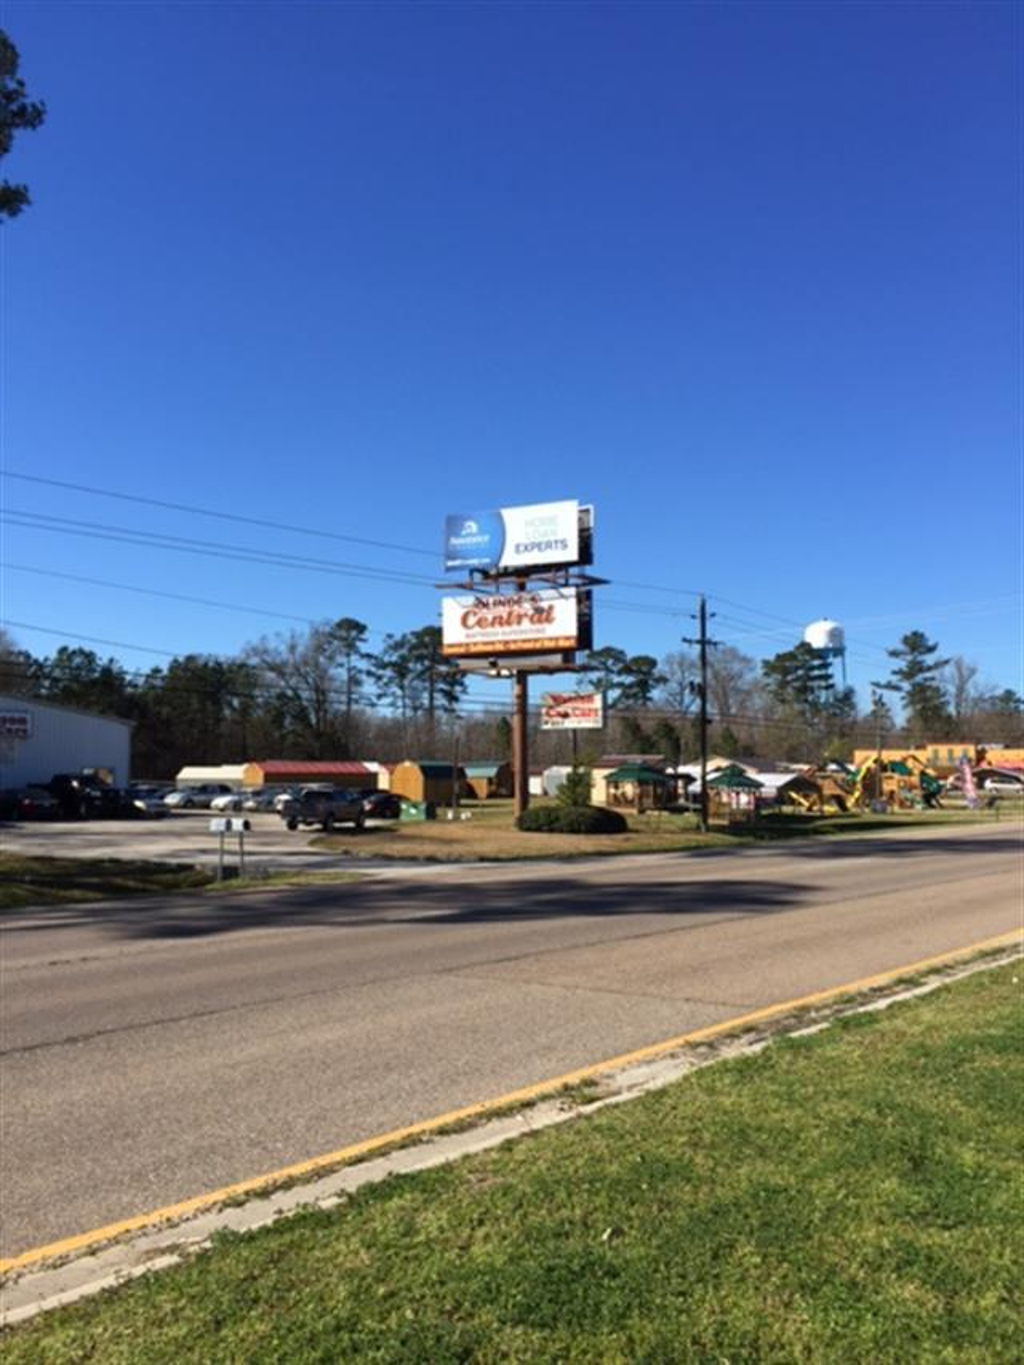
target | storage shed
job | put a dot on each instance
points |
(488, 779)
(38, 740)
(288, 772)
(427, 781)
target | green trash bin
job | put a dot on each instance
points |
(417, 810)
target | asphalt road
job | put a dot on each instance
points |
(156, 1050)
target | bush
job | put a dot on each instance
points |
(572, 820)
(575, 790)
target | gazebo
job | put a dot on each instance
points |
(734, 793)
(638, 787)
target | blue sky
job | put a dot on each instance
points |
(745, 277)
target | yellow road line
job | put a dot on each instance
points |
(345, 1155)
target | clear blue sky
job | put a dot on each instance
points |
(745, 277)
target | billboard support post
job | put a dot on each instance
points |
(520, 767)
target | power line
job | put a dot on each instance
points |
(211, 549)
(194, 510)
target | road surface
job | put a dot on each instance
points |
(156, 1050)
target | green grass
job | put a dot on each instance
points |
(850, 1196)
(30, 880)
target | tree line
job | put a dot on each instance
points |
(322, 693)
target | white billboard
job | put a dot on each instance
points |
(572, 711)
(542, 534)
(542, 622)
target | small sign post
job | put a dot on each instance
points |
(222, 826)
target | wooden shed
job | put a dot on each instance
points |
(427, 781)
(287, 772)
(488, 779)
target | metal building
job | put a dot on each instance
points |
(38, 740)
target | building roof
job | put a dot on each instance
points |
(483, 769)
(432, 767)
(734, 778)
(619, 760)
(273, 767)
(637, 772)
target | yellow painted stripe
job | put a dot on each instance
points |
(345, 1155)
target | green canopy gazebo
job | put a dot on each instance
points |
(639, 787)
(734, 793)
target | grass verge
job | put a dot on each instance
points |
(489, 834)
(30, 880)
(850, 1195)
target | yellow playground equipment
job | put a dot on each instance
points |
(906, 783)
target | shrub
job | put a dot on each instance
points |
(572, 820)
(575, 790)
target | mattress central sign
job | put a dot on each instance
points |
(542, 535)
(547, 621)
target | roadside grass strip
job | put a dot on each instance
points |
(28, 879)
(853, 1193)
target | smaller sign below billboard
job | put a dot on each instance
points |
(572, 711)
(499, 624)
(540, 535)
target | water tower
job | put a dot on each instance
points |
(828, 639)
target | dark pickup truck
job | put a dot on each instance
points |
(324, 806)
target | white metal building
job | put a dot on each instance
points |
(38, 740)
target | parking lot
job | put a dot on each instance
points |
(182, 836)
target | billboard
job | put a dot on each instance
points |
(543, 535)
(572, 711)
(544, 622)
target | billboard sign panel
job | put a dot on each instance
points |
(572, 711)
(541, 535)
(543, 622)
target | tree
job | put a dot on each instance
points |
(17, 667)
(17, 113)
(350, 636)
(304, 674)
(414, 676)
(626, 681)
(962, 692)
(78, 677)
(681, 672)
(799, 679)
(916, 678)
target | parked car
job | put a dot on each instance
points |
(81, 796)
(229, 801)
(264, 799)
(32, 803)
(323, 806)
(382, 806)
(1004, 786)
(147, 803)
(196, 798)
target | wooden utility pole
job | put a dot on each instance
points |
(703, 644)
(520, 750)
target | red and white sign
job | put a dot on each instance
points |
(572, 711)
(544, 622)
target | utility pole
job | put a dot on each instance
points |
(520, 747)
(703, 644)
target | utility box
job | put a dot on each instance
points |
(413, 811)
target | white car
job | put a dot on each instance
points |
(1004, 786)
(196, 798)
(229, 801)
